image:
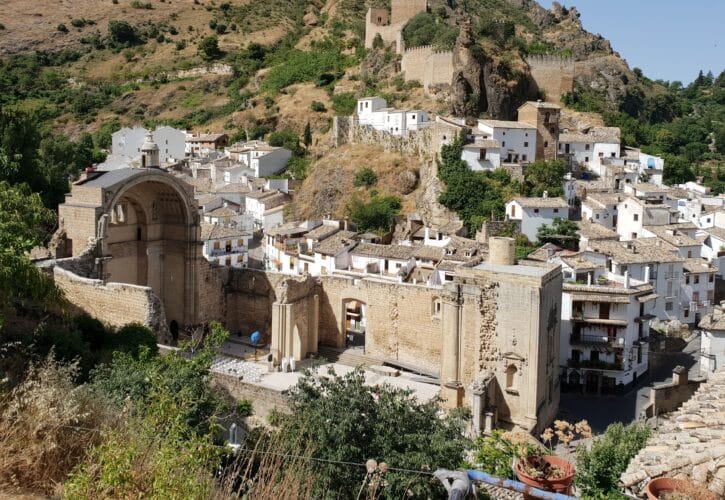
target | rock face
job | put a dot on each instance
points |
(482, 83)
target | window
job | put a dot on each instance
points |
(613, 155)
(217, 245)
(436, 307)
(586, 147)
(513, 210)
(634, 236)
(559, 146)
(668, 306)
(523, 157)
(710, 278)
(689, 254)
(636, 217)
(504, 133)
(597, 217)
(546, 144)
(711, 295)
(413, 117)
(366, 104)
(546, 117)
(526, 144)
(503, 144)
(511, 378)
(686, 313)
(696, 279)
(687, 279)
(536, 210)
(601, 155)
(586, 159)
(594, 356)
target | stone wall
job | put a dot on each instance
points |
(263, 399)
(665, 398)
(427, 66)
(554, 75)
(116, 304)
(401, 11)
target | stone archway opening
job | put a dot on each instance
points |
(149, 241)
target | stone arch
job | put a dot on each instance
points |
(148, 236)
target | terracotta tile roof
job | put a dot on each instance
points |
(689, 442)
(336, 243)
(216, 231)
(550, 202)
(398, 252)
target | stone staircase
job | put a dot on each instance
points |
(349, 357)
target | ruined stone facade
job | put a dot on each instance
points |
(389, 25)
(491, 335)
(427, 66)
(545, 117)
(553, 75)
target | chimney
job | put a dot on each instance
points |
(646, 274)
(545, 194)
(589, 279)
(626, 279)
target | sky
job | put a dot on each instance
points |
(667, 39)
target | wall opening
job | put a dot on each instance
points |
(355, 323)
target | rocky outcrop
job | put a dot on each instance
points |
(484, 83)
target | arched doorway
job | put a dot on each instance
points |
(354, 323)
(174, 330)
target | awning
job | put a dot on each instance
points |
(600, 297)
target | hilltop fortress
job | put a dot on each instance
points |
(552, 74)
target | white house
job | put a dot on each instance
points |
(517, 140)
(127, 141)
(387, 261)
(652, 166)
(482, 154)
(260, 158)
(226, 246)
(604, 325)
(171, 142)
(373, 112)
(586, 149)
(535, 212)
(698, 289)
(635, 213)
(712, 346)
(265, 208)
(650, 260)
(601, 208)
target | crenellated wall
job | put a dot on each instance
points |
(554, 75)
(427, 66)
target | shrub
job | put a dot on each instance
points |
(319, 66)
(377, 215)
(598, 469)
(134, 337)
(122, 33)
(495, 454)
(297, 167)
(209, 48)
(221, 28)
(244, 408)
(136, 4)
(285, 139)
(343, 104)
(378, 42)
(318, 107)
(366, 176)
(62, 28)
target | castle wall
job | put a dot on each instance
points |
(427, 66)
(553, 74)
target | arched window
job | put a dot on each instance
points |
(511, 378)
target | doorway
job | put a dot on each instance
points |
(355, 323)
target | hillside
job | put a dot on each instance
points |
(253, 67)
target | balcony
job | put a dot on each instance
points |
(218, 252)
(597, 365)
(603, 340)
(579, 317)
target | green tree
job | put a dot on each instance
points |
(366, 176)
(122, 34)
(24, 224)
(562, 233)
(376, 215)
(307, 136)
(341, 418)
(286, 139)
(545, 176)
(209, 48)
(598, 469)
(343, 104)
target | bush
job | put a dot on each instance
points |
(598, 469)
(344, 104)
(377, 215)
(366, 176)
(134, 337)
(299, 66)
(244, 408)
(297, 167)
(286, 139)
(136, 4)
(209, 48)
(62, 28)
(122, 33)
(318, 107)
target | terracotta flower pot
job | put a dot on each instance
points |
(662, 485)
(560, 485)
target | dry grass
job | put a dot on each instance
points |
(329, 187)
(47, 425)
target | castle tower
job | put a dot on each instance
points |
(545, 117)
(402, 11)
(149, 153)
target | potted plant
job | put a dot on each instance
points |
(549, 472)
(667, 488)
